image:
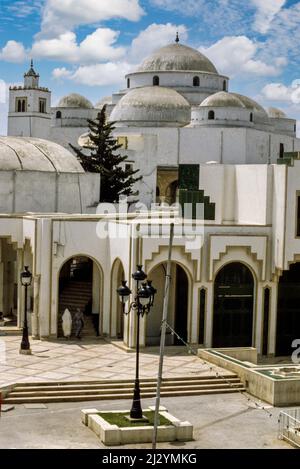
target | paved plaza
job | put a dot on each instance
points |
(237, 424)
(90, 359)
(219, 422)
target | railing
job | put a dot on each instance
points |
(289, 426)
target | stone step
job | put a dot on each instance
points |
(85, 392)
(71, 387)
(116, 396)
(122, 381)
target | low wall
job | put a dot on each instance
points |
(278, 392)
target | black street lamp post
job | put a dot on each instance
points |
(26, 278)
(142, 304)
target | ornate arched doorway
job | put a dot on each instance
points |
(80, 287)
(116, 313)
(288, 310)
(178, 305)
(233, 306)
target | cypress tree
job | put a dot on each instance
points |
(103, 158)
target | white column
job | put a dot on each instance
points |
(195, 314)
(273, 319)
(257, 343)
(209, 315)
(46, 279)
(35, 313)
(20, 301)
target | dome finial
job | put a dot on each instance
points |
(31, 63)
(177, 38)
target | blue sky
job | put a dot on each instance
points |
(87, 46)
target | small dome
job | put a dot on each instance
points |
(224, 99)
(276, 113)
(152, 106)
(106, 100)
(75, 100)
(35, 154)
(177, 57)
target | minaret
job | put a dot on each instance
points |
(29, 108)
(31, 78)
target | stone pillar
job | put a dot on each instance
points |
(273, 318)
(258, 323)
(132, 319)
(20, 301)
(44, 262)
(194, 313)
(143, 330)
(35, 313)
(209, 315)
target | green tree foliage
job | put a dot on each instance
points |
(101, 156)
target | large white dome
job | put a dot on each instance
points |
(152, 107)
(177, 57)
(35, 154)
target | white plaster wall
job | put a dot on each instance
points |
(36, 191)
(66, 135)
(208, 81)
(251, 194)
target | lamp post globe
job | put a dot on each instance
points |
(26, 279)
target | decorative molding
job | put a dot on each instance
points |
(254, 245)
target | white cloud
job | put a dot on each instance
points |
(276, 92)
(281, 92)
(13, 51)
(64, 15)
(59, 73)
(98, 46)
(153, 37)
(235, 55)
(110, 73)
(266, 12)
(113, 72)
(64, 47)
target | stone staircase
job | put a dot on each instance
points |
(30, 393)
(75, 295)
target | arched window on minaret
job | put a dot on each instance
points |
(156, 81)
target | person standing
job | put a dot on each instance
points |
(79, 323)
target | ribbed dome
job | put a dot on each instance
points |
(224, 99)
(152, 106)
(276, 113)
(75, 100)
(35, 154)
(177, 57)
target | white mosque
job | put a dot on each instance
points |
(193, 140)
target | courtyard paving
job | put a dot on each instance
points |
(90, 359)
(220, 422)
